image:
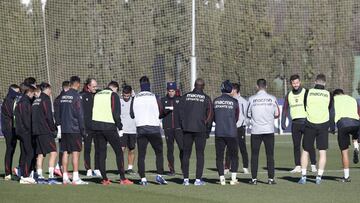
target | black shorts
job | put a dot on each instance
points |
(128, 140)
(321, 135)
(71, 142)
(45, 144)
(344, 136)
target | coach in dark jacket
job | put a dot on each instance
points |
(171, 124)
(226, 114)
(44, 132)
(22, 116)
(7, 127)
(65, 88)
(196, 113)
(42, 116)
(71, 113)
(87, 98)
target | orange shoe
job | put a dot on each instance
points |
(58, 172)
(106, 182)
(126, 182)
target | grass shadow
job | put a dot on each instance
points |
(175, 180)
(283, 169)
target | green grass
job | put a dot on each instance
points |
(287, 190)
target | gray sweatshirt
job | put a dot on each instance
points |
(243, 108)
(129, 126)
(263, 109)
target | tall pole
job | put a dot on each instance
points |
(193, 46)
(43, 3)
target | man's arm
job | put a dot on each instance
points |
(116, 110)
(48, 114)
(79, 114)
(163, 112)
(57, 111)
(25, 111)
(249, 111)
(132, 115)
(209, 115)
(285, 111)
(332, 114)
(237, 112)
(6, 110)
(305, 98)
(277, 109)
(245, 107)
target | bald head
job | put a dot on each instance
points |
(199, 84)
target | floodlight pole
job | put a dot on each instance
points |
(193, 45)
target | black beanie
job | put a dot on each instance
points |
(226, 87)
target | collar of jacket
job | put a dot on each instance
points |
(44, 95)
(167, 96)
(198, 91)
(12, 93)
(26, 97)
(226, 95)
(298, 91)
(262, 91)
(318, 86)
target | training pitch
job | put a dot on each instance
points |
(287, 190)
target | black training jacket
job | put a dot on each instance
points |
(7, 112)
(57, 109)
(71, 113)
(226, 114)
(170, 119)
(42, 116)
(22, 115)
(196, 112)
(87, 101)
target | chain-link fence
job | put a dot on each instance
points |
(240, 40)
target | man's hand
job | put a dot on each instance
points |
(332, 130)
(171, 108)
(121, 133)
(54, 134)
(83, 133)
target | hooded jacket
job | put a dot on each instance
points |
(7, 111)
(170, 118)
(22, 116)
(226, 114)
(42, 116)
(71, 113)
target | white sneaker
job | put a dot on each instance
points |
(97, 173)
(297, 169)
(66, 181)
(8, 177)
(234, 182)
(79, 182)
(313, 168)
(27, 180)
(89, 173)
(222, 180)
(41, 177)
(226, 171)
(246, 171)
